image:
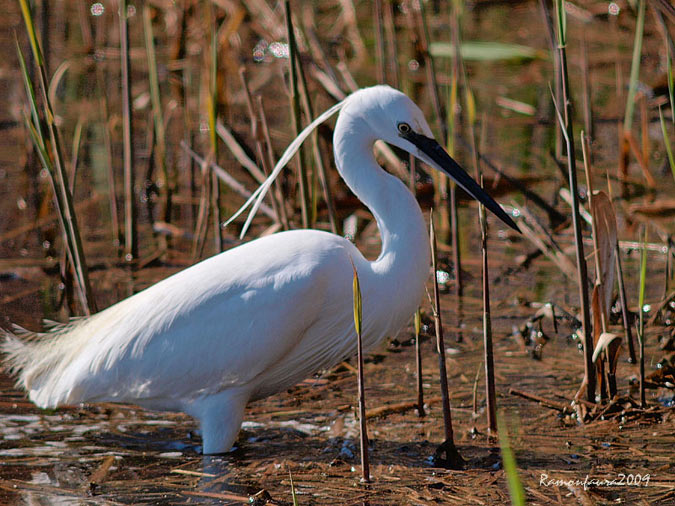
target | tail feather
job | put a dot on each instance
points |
(34, 360)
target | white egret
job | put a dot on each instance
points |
(258, 318)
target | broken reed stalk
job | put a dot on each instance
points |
(490, 396)
(54, 162)
(582, 275)
(130, 230)
(641, 322)
(358, 319)
(418, 363)
(453, 458)
(295, 114)
(157, 116)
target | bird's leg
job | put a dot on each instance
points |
(220, 417)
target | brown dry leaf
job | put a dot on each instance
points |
(605, 229)
(604, 341)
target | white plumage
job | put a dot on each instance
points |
(256, 319)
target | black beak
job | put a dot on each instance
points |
(445, 162)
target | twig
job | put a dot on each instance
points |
(541, 400)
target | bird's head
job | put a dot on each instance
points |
(397, 120)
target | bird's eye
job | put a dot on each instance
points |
(404, 128)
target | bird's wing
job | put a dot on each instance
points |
(218, 324)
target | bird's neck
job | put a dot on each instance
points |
(404, 259)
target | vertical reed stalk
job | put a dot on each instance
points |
(54, 163)
(418, 363)
(440, 342)
(358, 319)
(392, 47)
(586, 91)
(380, 59)
(550, 31)
(641, 322)
(582, 275)
(295, 115)
(213, 137)
(453, 458)
(130, 231)
(490, 395)
(452, 193)
(107, 141)
(431, 74)
(318, 160)
(158, 120)
(635, 67)
(625, 315)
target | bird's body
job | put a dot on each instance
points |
(251, 321)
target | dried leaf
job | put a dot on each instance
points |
(606, 338)
(605, 229)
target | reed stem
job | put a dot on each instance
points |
(452, 458)
(295, 115)
(358, 321)
(582, 274)
(418, 363)
(490, 394)
(55, 163)
(130, 231)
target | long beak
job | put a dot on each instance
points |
(444, 162)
